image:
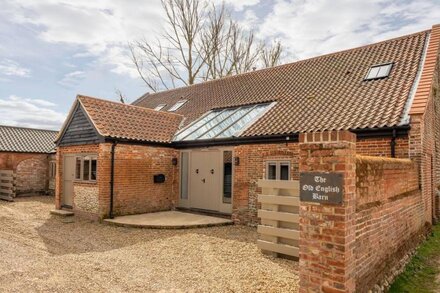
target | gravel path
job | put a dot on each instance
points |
(43, 253)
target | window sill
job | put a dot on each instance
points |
(85, 182)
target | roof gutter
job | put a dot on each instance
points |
(393, 132)
(396, 131)
(293, 137)
(400, 131)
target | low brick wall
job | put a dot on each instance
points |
(390, 218)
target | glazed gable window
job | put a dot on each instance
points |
(86, 168)
(278, 170)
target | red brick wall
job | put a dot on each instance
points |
(134, 190)
(32, 170)
(436, 117)
(251, 168)
(327, 231)
(136, 165)
(381, 147)
(390, 217)
(424, 135)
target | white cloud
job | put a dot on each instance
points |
(9, 67)
(99, 28)
(37, 113)
(239, 5)
(72, 78)
(311, 28)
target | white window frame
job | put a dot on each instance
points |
(278, 164)
(177, 105)
(160, 107)
(83, 158)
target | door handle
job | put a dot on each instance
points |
(203, 180)
(197, 171)
(212, 171)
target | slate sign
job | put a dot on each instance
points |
(321, 187)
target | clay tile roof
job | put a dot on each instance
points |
(26, 140)
(321, 93)
(123, 121)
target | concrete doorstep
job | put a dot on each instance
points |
(61, 213)
(169, 220)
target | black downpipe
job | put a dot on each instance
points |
(393, 143)
(112, 179)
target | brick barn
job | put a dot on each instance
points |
(30, 155)
(203, 147)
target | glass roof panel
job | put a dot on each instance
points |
(243, 122)
(194, 126)
(221, 123)
(210, 124)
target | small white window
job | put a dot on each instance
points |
(379, 71)
(177, 106)
(278, 170)
(86, 168)
(159, 107)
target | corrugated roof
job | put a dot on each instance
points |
(123, 121)
(322, 93)
(26, 140)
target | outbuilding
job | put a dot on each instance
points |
(27, 157)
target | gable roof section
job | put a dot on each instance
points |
(427, 75)
(321, 93)
(121, 121)
(26, 140)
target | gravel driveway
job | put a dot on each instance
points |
(39, 252)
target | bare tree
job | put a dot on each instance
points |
(120, 96)
(200, 42)
(270, 56)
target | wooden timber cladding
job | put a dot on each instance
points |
(79, 130)
(279, 215)
(7, 185)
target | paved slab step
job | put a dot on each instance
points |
(168, 220)
(62, 213)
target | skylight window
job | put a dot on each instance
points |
(177, 106)
(159, 107)
(379, 71)
(222, 123)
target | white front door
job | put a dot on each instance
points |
(205, 178)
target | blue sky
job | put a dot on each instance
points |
(51, 50)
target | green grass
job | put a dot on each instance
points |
(421, 273)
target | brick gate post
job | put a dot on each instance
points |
(327, 231)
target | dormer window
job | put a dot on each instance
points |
(379, 71)
(159, 107)
(177, 106)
